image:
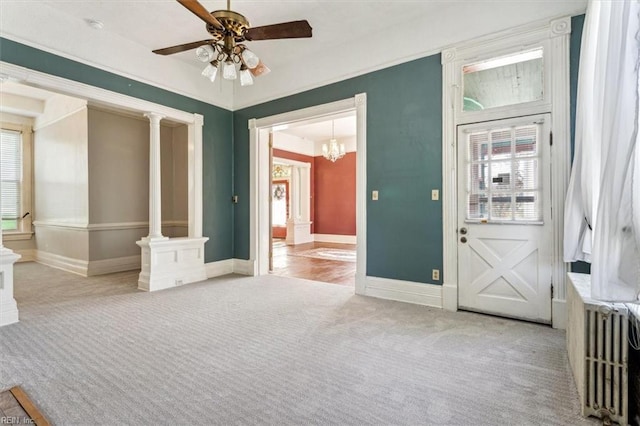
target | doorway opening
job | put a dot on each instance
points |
(301, 229)
(313, 199)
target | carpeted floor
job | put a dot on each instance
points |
(273, 350)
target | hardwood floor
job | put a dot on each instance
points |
(328, 271)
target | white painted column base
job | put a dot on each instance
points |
(298, 232)
(171, 262)
(8, 306)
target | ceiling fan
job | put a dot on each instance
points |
(229, 30)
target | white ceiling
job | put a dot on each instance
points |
(344, 126)
(19, 99)
(349, 37)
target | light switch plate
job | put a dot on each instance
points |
(435, 194)
(374, 195)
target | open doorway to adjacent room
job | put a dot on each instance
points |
(313, 199)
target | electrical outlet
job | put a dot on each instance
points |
(435, 195)
(435, 274)
(374, 195)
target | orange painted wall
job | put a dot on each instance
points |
(335, 195)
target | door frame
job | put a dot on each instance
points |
(554, 37)
(259, 224)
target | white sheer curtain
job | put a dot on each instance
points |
(602, 212)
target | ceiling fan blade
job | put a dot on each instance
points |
(293, 29)
(202, 13)
(182, 47)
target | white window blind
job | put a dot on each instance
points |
(504, 176)
(10, 174)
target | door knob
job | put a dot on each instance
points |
(463, 231)
(463, 239)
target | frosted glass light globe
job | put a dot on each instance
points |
(250, 59)
(205, 53)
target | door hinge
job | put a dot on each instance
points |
(551, 138)
(551, 290)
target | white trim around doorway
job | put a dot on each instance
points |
(259, 179)
(554, 35)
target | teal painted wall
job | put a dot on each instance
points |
(404, 153)
(217, 134)
(577, 23)
(404, 162)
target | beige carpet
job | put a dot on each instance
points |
(273, 350)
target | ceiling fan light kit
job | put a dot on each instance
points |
(205, 53)
(211, 71)
(245, 76)
(229, 30)
(250, 58)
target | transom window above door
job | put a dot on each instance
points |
(502, 81)
(504, 175)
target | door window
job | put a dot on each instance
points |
(504, 178)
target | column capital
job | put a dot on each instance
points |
(154, 117)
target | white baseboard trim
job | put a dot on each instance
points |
(229, 266)
(404, 291)
(559, 314)
(221, 267)
(68, 264)
(109, 266)
(244, 267)
(330, 238)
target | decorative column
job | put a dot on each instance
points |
(8, 305)
(155, 191)
(195, 178)
(169, 262)
(299, 224)
(304, 181)
(295, 193)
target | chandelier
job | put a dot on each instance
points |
(333, 151)
(230, 55)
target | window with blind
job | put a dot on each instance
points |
(11, 179)
(504, 175)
